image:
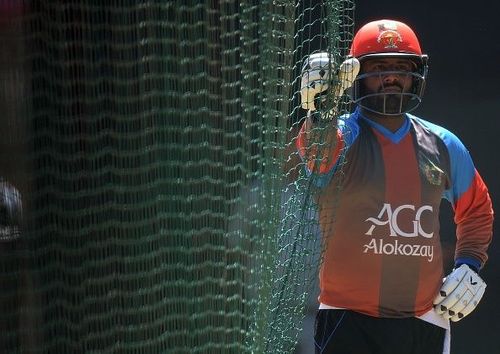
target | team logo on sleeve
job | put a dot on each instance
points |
(430, 170)
(395, 243)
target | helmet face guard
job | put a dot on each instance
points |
(392, 103)
(388, 39)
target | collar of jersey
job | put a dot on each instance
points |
(393, 137)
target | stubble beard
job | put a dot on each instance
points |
(390, 104)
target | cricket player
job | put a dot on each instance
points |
(382, 287)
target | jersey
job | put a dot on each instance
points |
(382, 244)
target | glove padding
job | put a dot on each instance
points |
(317, 78)
(460, 293)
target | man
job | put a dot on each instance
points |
(381, 279)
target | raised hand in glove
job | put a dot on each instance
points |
(319, 77)
(460, 293)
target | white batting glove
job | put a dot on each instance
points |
(460, 294)
(348, 71)
(317, 78)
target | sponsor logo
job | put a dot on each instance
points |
(388, 217)
(397, 248)
(392, 221)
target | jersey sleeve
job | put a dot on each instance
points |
(471, 202)
(310, 154)
(323, 169)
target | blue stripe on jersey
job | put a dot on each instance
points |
(350, 128)
(394, 137)
(462, 167)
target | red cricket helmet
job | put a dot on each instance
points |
(385, 37)
(389, 38)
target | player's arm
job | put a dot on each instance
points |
(463, 288)
(472, 206)
(319, 141)
(474, 220)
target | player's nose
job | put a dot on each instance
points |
(390, 77)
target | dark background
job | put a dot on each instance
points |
(461, 39)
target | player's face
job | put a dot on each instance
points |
(389, 78)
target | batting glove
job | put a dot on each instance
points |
(317, 79)
(460, 293)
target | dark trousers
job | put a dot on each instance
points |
(348, 332)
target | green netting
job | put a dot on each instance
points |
(153, 144)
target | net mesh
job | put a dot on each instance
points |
(152, 143)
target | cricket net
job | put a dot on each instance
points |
(165, 208)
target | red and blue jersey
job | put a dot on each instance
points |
(383, 252)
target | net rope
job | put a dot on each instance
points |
(165, 207)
